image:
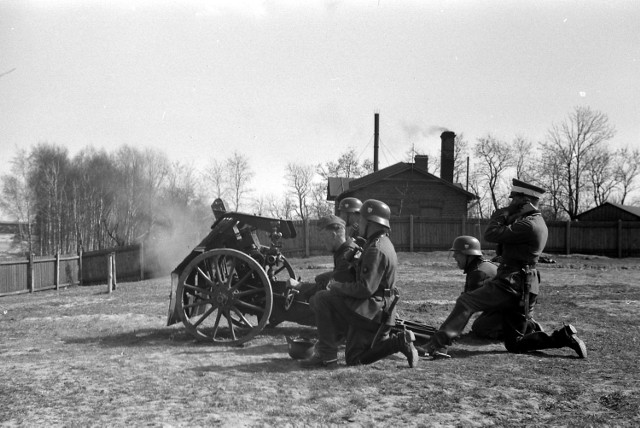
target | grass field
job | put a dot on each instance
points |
(81, 357)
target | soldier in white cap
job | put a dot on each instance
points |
(522, 234)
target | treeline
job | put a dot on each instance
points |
(574, 163)
(96, 199)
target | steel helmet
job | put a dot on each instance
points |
(376, 212)
(350, 205)
(468, 245)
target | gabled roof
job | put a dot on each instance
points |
(633, 210)
(392, 170)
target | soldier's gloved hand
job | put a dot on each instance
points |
(333, 287)
(292, 283)
(323, 279)
(522, 211)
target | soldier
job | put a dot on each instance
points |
(467, 253)
(332, 233)
(363, 304)
(349, 211)
(522, 234)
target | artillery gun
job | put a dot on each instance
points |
(230, 287)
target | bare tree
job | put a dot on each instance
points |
(17, 198)
(347, 166)
(523, 158)
(300, 182)
(460, 155)
(602, 180)
(215, 175)
(626, 170)
(319, 204)
(48, 181)
(481, 207)
(547, 176)
(279, 207)
(239, 176)
(494, 159)
(573, 143)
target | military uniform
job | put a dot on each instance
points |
(514, 289)
(359, 303)
(489, 323)
(365, 306)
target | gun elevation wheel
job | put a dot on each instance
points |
(224, 296)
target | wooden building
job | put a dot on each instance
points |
(611, 212)
(409, 189)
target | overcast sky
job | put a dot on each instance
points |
(299, 81)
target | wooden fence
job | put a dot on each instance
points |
(46, 273)
(38, 273)
(612, 239)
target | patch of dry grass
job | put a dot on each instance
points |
(81, 357)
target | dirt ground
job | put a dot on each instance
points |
(83, 357)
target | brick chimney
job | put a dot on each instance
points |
(446, 151)
(421, 161)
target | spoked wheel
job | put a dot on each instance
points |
(224, 297)
(281, 271)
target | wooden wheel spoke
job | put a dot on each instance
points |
(245, 321)
(242, 280)
(232, 270)
(253, 308)
(207, 277)
(198, 303)
(230, 322)
(279, 270)
(216, 324)
(204, 316)
(190, 287)
(250, 292)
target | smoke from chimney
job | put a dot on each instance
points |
(447, 154)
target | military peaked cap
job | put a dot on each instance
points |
(522, 188)
(330, 220)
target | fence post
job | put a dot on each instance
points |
(110, 273)
(31, 274)
(113, 268)
(411, 233)
(141, 258)
(619, 238)
(80, 266)
(306, 237)
(568, 238)
(57, 271)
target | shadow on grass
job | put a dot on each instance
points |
(179, 337)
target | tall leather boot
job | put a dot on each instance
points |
(402, 342)
(567, 336)
(448, 331)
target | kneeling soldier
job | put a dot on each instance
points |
(522, 234)
(365, 304)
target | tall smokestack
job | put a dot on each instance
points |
(446, 151)
(376, 136)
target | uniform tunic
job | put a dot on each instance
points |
(489, 323)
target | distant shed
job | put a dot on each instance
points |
(610, 211)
